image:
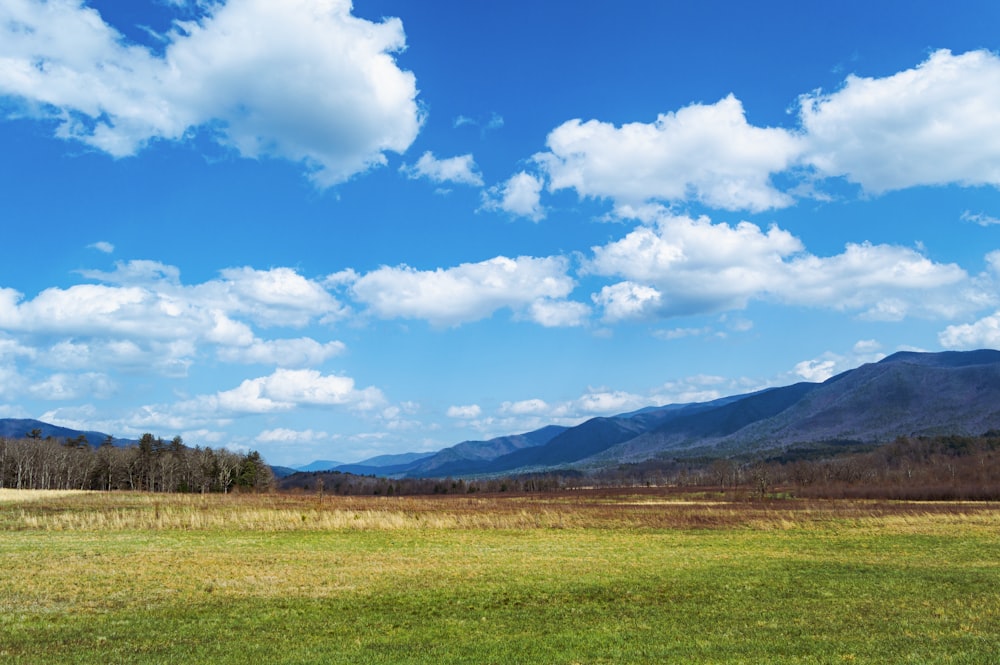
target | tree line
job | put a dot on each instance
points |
(947, 467)
(943, 467)
(152, 465)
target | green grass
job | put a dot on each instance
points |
(836, 583)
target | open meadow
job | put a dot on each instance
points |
(625, 576)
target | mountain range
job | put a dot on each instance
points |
(905, 394)
(19, 428)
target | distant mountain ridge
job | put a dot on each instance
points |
(19, 428)
(905, 394)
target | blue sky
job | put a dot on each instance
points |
(331, 231)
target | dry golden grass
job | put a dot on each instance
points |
(639, 508)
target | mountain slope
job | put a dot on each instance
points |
(905, 394)
(19, 428)
(575, 443)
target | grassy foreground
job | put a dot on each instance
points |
(565, 578)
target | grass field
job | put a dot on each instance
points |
(581, 577)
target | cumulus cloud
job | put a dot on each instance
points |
(681, 266)
(627, 300)
(830, 364)
(883, 282)
(816, 370)
(301, 352)
(698, 388)
(466, 412)
(558, 313)
(984, 333)
(934, 124)
(143, 317)
(530, 414)
(279, 392)
(521, 196)
(608, 402)
(274, 297)
(284, 435)
(468, 292)
(61, 386)
(703, 152)
(526, 407)
(461, 170)
(685, 266)
(103, 246)
(301, 80)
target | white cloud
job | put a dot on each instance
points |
(12, 410)
(707, 153)
(12, 384)
(62, 386)
(984, 333)
(85, 309)
(302, 80)
(520, 195)
(281, 391)
(816, 370)
(467, 412)
(830, 364)
(979, 218)
(685, 266)
(495, 121)
(132, 310)
(275, 297)
(461, 169)
(680, 333)
(468, 292)
(12, 349)
(284, 435)
(864, 346)
(884, 282)
(291, 353)
(168, 358)
(144, 318)
(103, 246)
(608, 402)
(558, 313)
(140, 272)
(694, 389)
(627, 300)
(934, 124)
(682, 266)
(527, 407)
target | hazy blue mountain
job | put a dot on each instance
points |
(393, 460)
(905, 394)
(19, 428)
(383, 465)
(575, 443)
(319, 465)
(283, 471)
(446, 461)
